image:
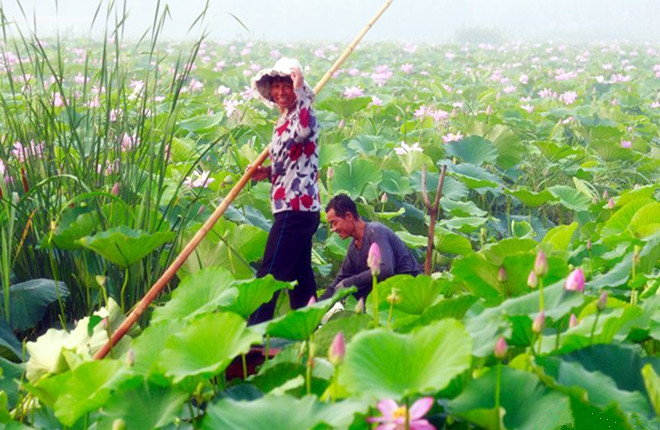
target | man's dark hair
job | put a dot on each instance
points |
(342, 204)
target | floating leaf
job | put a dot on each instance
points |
(427, 359)
(124, 246)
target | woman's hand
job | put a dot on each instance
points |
(261, 173)
(297, 77)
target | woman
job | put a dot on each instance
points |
(293, 172)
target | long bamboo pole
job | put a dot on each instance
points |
(169, 273)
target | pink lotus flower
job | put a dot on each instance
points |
(373, 259)
(626, 144)
(528, 108)
(394, 416)
(376, 101)
(575, 281)
(573, 321)
(197, 180)
(404, 148)
(568, 97)
(451, 137)
(353, 92)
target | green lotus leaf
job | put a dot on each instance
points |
(353, 177)
(299, 324)
(205, 346)
(646, 220)
(599, 389)
(10, 346)
(412, 240)
(427, 359)
(201, 292)
(621, 219)
(83, 389)
(395, 183)
(148, 346)
(146, 407)
(522, 229)
(527, 403)
(75, 223)
(343, 106)
(616, 276)
(652, 384)
(461, 209)
(331, 153)
(474, 176)
(254, 293)
(497, 252)
(486, 325)
(10, 376)
(571, 198)
(531, 198)
(281, 413)
(451, 243)
(124, 246)
(348, 323)
(473, 149)
(451, 188)
(455, 307)
(28, 301)
(416, 293)
(201, 122)
(464, 225)
(644, 193)
(560, 237)
(229, 246)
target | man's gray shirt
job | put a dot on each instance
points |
(396, 259)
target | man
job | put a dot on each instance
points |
(293, 173)
(396, 258)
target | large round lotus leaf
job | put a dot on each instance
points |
(148, 346)
(75, 223)
(281, 413)
(600, 389)
(571, 198)
(622, 218)
(204, 291)
(646, 220)
(206, 346)
(531, 198)
(473, 176)
(299, 324)
(10, 376)
(83, 389)
(124, 246)
(560, 237)
(384, 364)
(10, 347)
(448, 242)
(254, 293)
(28, 301)
(527, 404)
(354, 177)
(145, 407)
(416, 294)
(473, 149)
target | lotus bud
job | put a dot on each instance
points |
(394, 297)
(359, 307)
(201, 210)
(601, 303)
(532, 280)
(130, 358)
(331, 172)
(606, 195)
(501, 348)
(539, 323)
(337, 349)
(115, 189)
(594, 200)
(373, 259)
(311, 301)
(340, 124)
(610, 203)
(489, 110)
(589, 244)
(100, 280)
(575, 281)
(572, 321)
(540, 264)
(501, 274)
(383, 198)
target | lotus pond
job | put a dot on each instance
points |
(541, 310)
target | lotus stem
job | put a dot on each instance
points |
(374, 290)
(498, 382)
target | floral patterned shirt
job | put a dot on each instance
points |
(294, 156)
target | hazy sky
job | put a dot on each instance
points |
(341, 20)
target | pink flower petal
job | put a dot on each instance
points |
(421, 425)
(387, 407)
(421, 407)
